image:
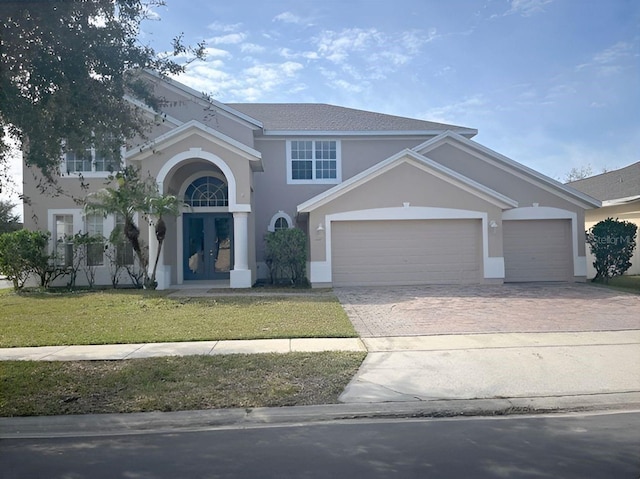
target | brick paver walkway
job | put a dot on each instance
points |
(425, 310)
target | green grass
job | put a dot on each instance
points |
(626, 283)
(30, 388)
(116, 317)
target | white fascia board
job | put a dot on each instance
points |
(197, 96)
(179, 133)
(147, 109)
(549, 184)
(336, 133)
(621, 201)
(422, 162)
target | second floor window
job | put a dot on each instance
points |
(313, 161)
(92, 160)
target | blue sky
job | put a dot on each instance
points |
(553, 84)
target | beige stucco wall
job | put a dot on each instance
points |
(38, 203)
(272, 193)
(238, 164)
(628, 212)
(405, 183)
(524, 191)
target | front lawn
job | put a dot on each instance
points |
(34, 388)
(121, 316)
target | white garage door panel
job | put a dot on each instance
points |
(406, 252)
(537, 250)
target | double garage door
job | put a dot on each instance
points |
(403, 252)
(446, 251)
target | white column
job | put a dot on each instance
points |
(240, 276)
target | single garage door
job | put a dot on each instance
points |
(406, 252)
(537, 250)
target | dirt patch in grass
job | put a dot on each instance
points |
(29, 388)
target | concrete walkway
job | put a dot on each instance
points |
(148, 350)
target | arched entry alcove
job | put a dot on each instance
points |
(211, 233)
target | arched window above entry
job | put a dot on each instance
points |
(281, 224)
(280, 221)
(207, 191)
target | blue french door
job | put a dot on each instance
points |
(207, 245)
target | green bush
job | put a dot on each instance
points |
(23, 253)
(612, 243)
(286, 256)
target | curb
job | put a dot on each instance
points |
(191, 421)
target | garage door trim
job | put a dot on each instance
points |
(550, 213)
(321, 271)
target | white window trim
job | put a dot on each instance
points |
(78, 223)
(314, 181)
(280, 214)
(108, 224)
(88, 174)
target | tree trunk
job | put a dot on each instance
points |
(161, 232)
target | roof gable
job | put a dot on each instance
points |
(409, 156)
(190, 128)
(493, 157)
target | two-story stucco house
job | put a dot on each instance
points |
(383, 199)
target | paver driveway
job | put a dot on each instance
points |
(530, 307)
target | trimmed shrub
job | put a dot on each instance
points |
(286, 256)
(612, 243)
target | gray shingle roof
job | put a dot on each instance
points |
(323, 117)
(611, 185)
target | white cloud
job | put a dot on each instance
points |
(337, 46)
(224, 27)
(609, 61)
(216, 52)
(229, 39)
(251, 48)
(288, 17)
(456, 112)
(526, 8)
(348, 87)
(149, 14)
(290, 54)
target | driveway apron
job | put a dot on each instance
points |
(508, 341)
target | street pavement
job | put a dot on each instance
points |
(542, 446)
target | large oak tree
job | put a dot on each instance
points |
(65, 68)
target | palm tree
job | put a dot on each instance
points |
(131, 196)
(157, 207)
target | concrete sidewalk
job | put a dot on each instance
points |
(148, 350)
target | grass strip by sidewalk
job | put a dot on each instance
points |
(30, 388)
(630, 283)
(121, 316)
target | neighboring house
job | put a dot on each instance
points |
(619, 191)
(384, 200)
